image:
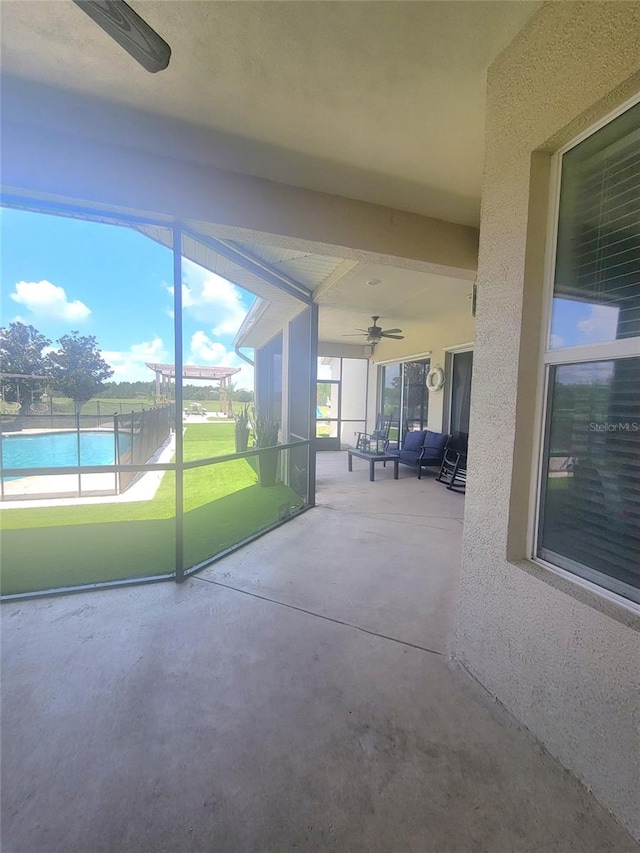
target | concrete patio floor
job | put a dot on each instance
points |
(295, 696)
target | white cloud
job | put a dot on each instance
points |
(50, 301)
(205, 351)
(129, 365)
(212, 300)
(600, 325)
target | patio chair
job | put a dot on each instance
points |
(377, 440)
(453, 471)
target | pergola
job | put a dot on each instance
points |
(166, 372)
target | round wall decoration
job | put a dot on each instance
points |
(435, 379)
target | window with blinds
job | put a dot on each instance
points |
(591, 498)
(597, 281)
(589, 518)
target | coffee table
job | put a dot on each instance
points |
(372, 458)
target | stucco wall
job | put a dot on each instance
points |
(561, 658)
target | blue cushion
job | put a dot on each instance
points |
(434, 442)
(413, 441)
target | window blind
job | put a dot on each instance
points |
(591, 488)
(598, 253)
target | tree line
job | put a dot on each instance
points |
(196, 393)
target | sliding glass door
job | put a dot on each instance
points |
(460, 390)
(404, 396)
(415, 397)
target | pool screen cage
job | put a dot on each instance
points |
(194, 528)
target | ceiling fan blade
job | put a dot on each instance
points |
(395, 337)
(355, 335)
(392, 332)
(131, 32)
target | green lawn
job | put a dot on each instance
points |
(215, 405)
(44, 548)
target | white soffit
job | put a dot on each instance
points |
(307, 269)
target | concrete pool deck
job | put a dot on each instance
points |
(61, 489)
(96, 488)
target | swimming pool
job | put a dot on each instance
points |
(59, 449)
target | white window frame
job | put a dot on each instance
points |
(566, 355)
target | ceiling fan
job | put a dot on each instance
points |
(131, 32)
(376, 333)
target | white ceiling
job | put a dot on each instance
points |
(401, 296)
(380, 101)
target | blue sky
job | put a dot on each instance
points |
(575, 323)
(60, 274)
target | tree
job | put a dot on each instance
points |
(77, 368)
(21, 349)
(323, 393)
(128, 390)
(228, 396)
(244, 396)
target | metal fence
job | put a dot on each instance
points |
(137, 437)
(51, 421)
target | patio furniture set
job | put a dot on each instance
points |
(420, 449)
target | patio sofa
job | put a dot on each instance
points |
(422, 449)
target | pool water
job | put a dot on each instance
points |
(58, 449)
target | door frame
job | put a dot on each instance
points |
(449, 358)
(329, 442)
